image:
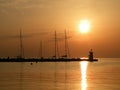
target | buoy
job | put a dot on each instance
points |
(31, 63)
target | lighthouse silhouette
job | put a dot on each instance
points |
(91, 55)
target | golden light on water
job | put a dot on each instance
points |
(84, 26)
(83, 65)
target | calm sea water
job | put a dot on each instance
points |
(101, 75)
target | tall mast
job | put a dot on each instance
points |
(65, 44)
(68, 52)
(55, 44)
(41, 51)
(21, 46)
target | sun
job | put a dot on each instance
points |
(84, 26)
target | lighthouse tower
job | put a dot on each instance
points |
(91, 55)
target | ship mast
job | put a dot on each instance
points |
(55, 44)
(65, 44)
(41, 50)
(21, 46)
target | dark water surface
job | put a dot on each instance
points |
(101, 75)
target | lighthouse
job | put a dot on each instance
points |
(90, 55)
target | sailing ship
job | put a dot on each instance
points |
(55, 58)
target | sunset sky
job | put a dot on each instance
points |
(38, 20)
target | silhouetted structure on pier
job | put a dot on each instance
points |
(90, 55)
(55, 58)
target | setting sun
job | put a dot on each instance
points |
(84, 26)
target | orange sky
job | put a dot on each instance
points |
(40, 18)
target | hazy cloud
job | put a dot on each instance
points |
(30, 6)
(24, 36)
(33, 3)
(6, 6)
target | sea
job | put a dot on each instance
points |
(101, 75)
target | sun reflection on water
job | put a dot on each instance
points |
(83, 67)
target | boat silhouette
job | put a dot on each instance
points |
(55, 58)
